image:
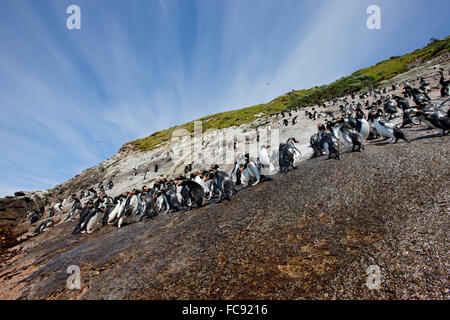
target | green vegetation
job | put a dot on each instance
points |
(396, 65)
(360, 80)
(339, 88)
(220, 120)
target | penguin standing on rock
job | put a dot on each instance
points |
(435, 120)
(85, 215)
(76, 208)
(387, 129)
(43, 226)
(192, 193)
(221, 182)
(362, 126)
(350, 135)
(445, 85)
(287, 154)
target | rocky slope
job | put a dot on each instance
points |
(326, 223)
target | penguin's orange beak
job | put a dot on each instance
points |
(242, 169)
(296, 141)
(206, 179)
(154, 197)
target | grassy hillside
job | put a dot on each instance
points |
(359, 80)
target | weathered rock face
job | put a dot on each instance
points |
(13, 209)
(309, 234)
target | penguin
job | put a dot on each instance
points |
(314, 143)
(249, 169)
(420, 98)
(93, 213)
(35, 216)
(445, 85)
(171, 199)
(387, 129)
(436, 120)
(342, 134)
(222, 183)
(408, 115)
(76, 208)
(130, 208)
(350, 135)
(287, 155)
(43, 226)
(100, 208)
(85, 213)
(57, 208)
(264, 158)
(97, 216)
(112, 204)
(159, 201)
(120, 201)
(236, 174)
(91, 194)
(362, 126)
(331, 144)
(192, 193)
(390, 109)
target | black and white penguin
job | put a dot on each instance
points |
(101, 206)
(114, 213)
(362, 126)
(287, 155)
(435, 120)
(222, 183)
(85, 215)
(387, 129)
(349, 135)
(314, 143)
(445, 85)
(172, 199)
(192, 193)
(35, 216)
(330, 143)
(76, 208)
(130, 208)
(43, 226)
(249, 169)
(390, 109)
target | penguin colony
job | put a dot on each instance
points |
(357, 124)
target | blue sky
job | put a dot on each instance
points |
(70, 98)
